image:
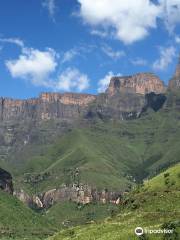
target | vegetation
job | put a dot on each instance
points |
(17, 220)
(150, 206)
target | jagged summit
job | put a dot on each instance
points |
(140, 83)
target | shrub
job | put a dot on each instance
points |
(166, 175)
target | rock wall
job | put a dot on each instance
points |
(83, 194)
(174, 83)
(141, 83)
(47, 106)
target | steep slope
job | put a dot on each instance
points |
(154, 206)
(106, 154)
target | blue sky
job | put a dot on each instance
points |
(77, 45)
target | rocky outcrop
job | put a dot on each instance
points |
(83, 194)
(141, 83)
(6, 181)
(174, 83)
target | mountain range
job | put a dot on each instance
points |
(85, 148)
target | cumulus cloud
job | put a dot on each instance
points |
(104, 82)
(34, 65)
(127, 20)
(50, 5)
(166, 57)
(16, 41)
(111, 53)
(72, 80)
(130, 20)
(38, 67)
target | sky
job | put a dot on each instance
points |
(78, 45)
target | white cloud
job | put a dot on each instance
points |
(34, 65)
(170, 13)
(166, 57)
(139, 62)
(51, 7)
(72, 80)
(15, 41)
(177, 39)
(104, 82)
(111, 53)
(40, 69)
(130, 20)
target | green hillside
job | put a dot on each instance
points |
(145, 207)
(17, 220)
(108, 154)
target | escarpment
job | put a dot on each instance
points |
(46, 106)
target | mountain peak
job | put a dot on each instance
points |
(140, 83)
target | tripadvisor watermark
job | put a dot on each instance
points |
(139, 231)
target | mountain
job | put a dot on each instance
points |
(153, 206)
(90, 148)
(77, 158)
(70, 106)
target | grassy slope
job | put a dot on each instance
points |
(106, 153)
(72, 214)
(20, 221)
(149, 207)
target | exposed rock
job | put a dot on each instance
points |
(174, 83)
(83, 194)
(141, 83)
(6, 181)
(36, 202)
(47, 106)
(23, 196)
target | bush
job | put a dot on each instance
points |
(166, 175)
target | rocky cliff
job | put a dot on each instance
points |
(130, 90)
(6, 181)
(47, 106)
(127, 97)
(141, 83)
(82, 194)
(174, 83)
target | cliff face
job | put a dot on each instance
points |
(6, 181)
(174, 83)
(127, 97)
(142, 83)
(83, 194)
(47, 106)
(124, 95)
